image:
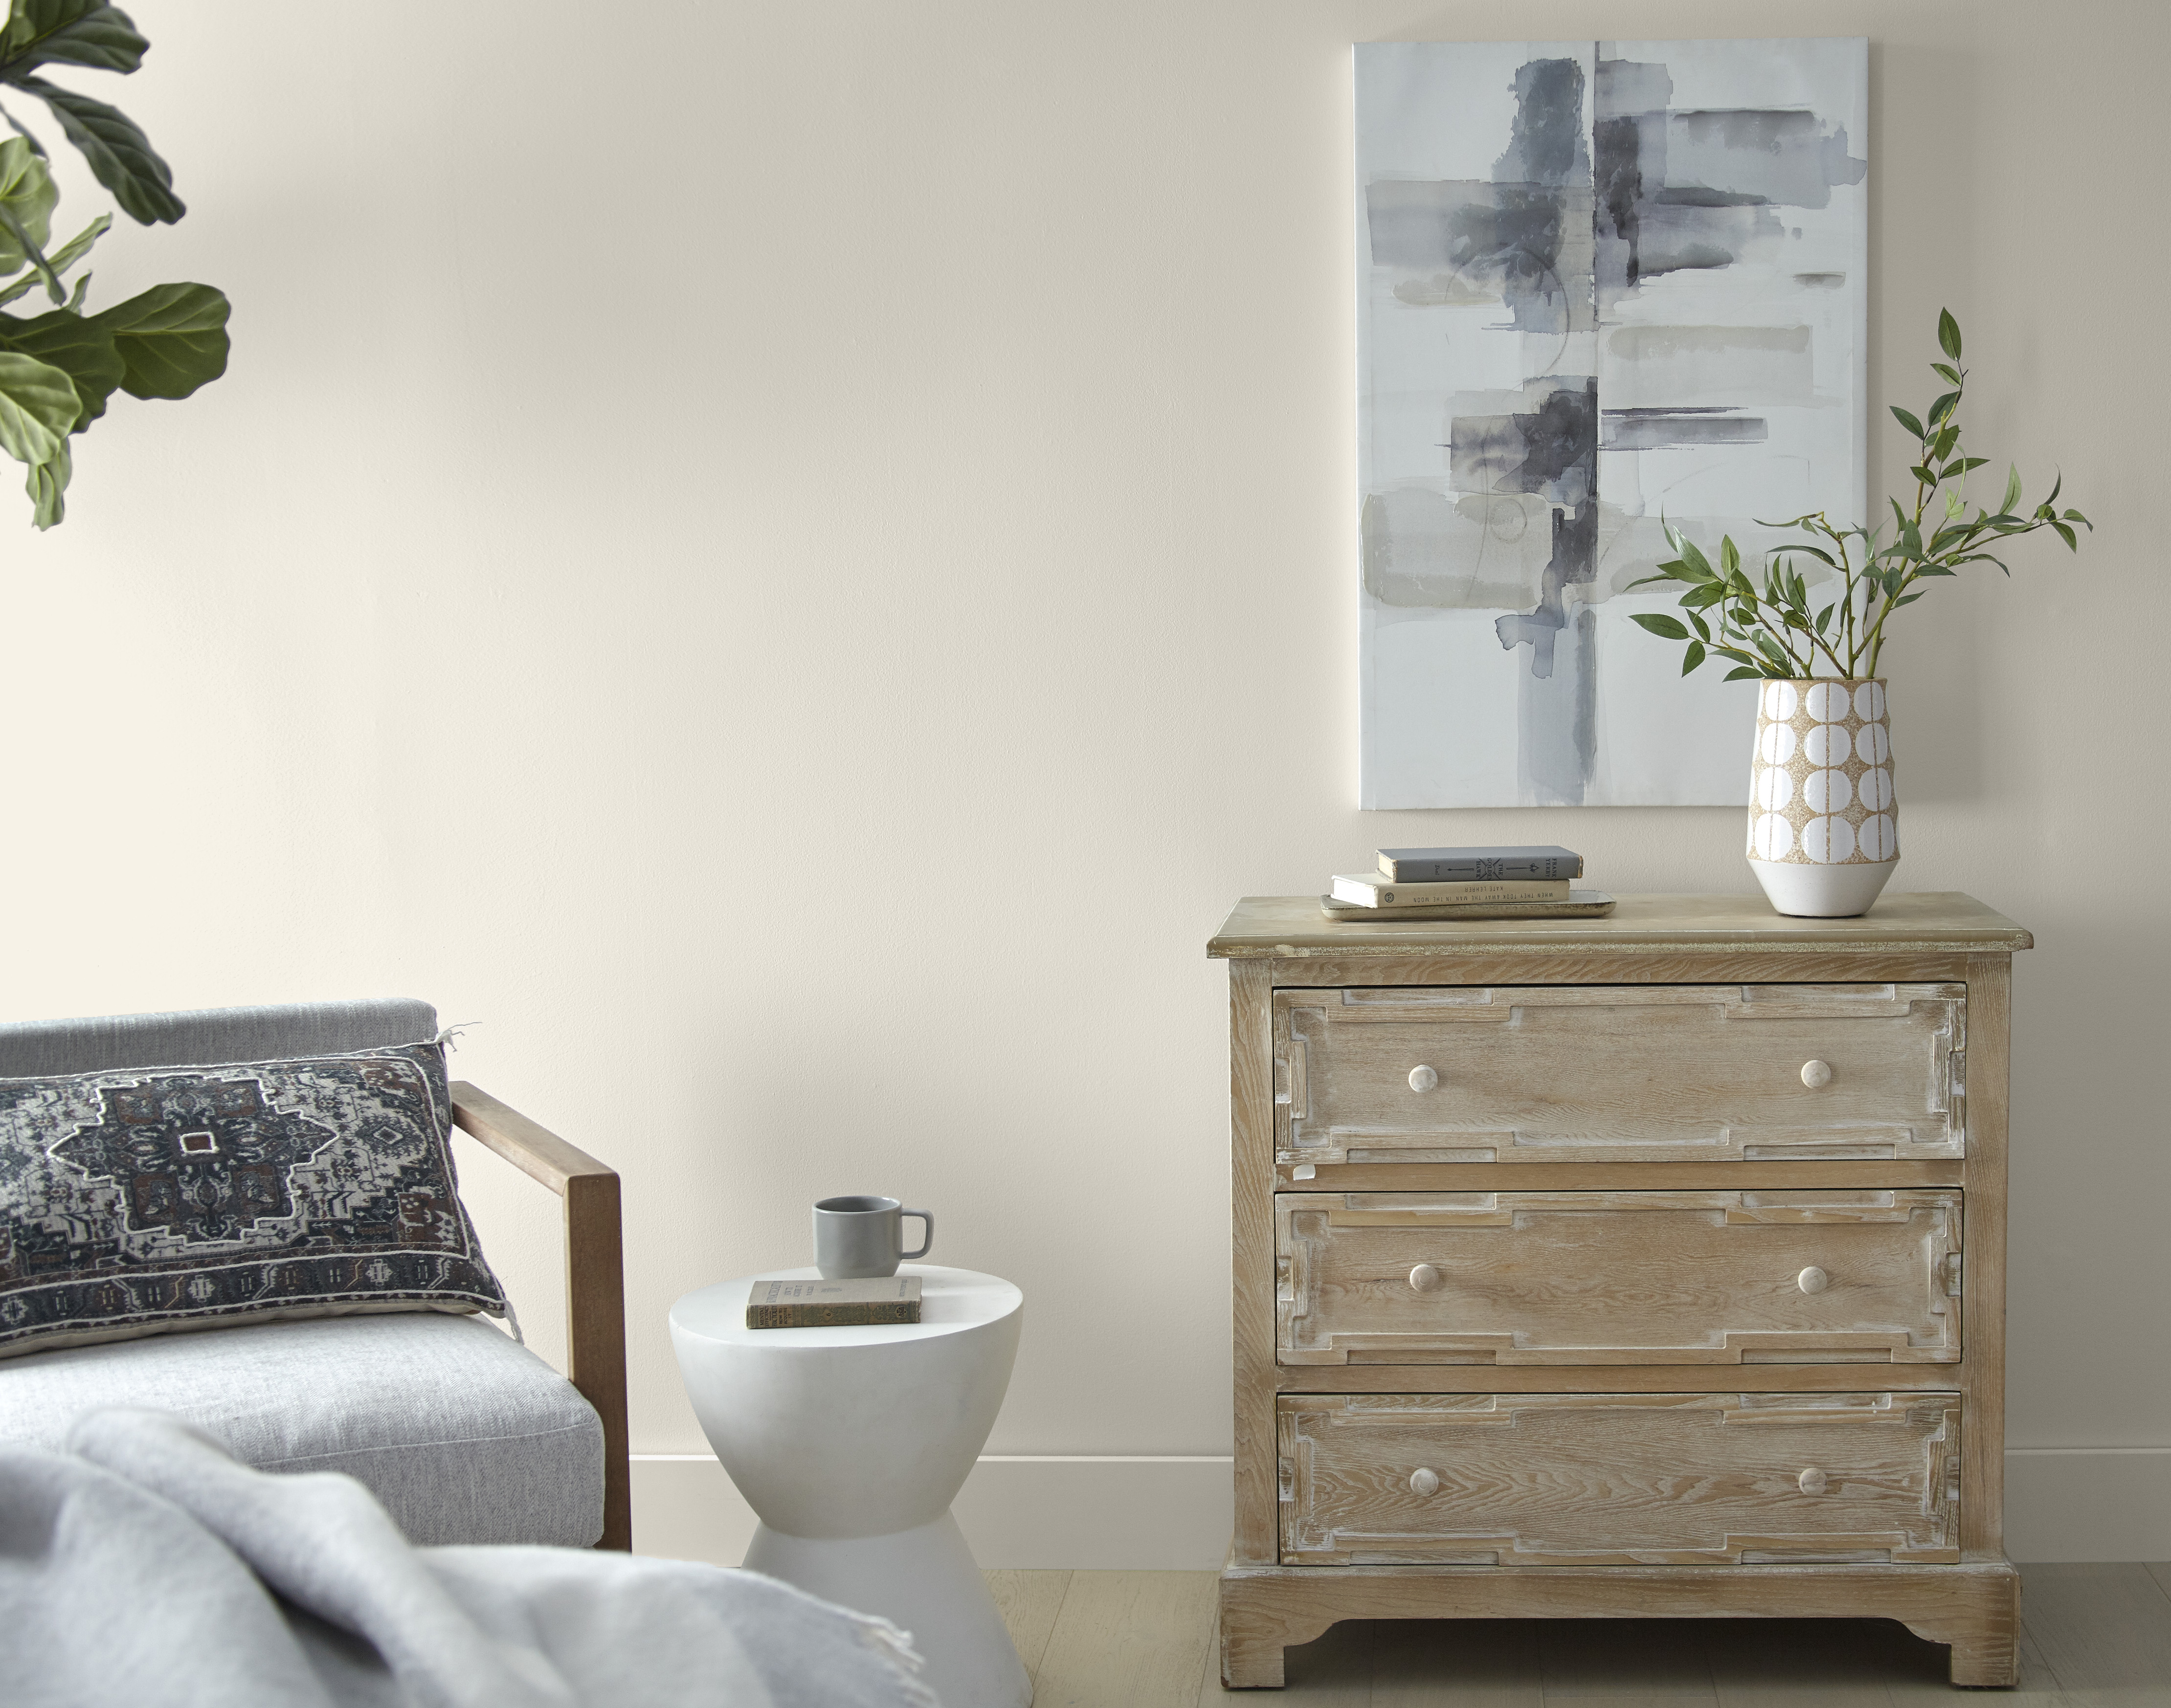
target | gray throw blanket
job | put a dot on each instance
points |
(145, 1566)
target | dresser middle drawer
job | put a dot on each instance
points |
(1618, 1277)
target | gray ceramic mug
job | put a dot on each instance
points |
(858, 1238)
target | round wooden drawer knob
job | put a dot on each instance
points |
(1425, 1278)
(1424, 1481)
(1813, 1280)
(1422, 1078)
(1811, 1482)
(1816, 1076)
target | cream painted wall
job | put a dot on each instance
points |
(789, 560)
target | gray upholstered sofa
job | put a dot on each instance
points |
(465, 1436)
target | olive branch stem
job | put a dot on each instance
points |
(1770, 632)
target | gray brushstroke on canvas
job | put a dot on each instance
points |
(1672, 429)
(1787, 157)
(1475, 242)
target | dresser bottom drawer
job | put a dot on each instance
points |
(1618, 1479)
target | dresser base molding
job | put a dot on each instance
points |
(1973, 1607)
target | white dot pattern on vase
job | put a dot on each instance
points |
(1827, 744)
(1821, 788)
(1774, 787)
(1828, 702)
(1775, 744)
(1828, 842)
(1827, 791)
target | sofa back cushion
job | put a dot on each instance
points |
(29, 1049)
(142, 1198)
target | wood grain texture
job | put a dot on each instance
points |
(1422, 968)
(1930, 922)
(528, 1145)
(1559, 1074)
(1982, 1465)
(1251, 1251)
(1514, 1177)
(1615, 1378)
(1318, 970)
(1029, 1601)
(1129, 1637)
(1591, 1479)
(1975, 1603)
(1654, 1277)
(595, 1278)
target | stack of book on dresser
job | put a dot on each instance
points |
(1466, 883)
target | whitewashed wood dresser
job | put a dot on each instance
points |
(1650, 1265)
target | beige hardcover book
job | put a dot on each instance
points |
(826, 1304)
(1580, 904)
(1370, 890)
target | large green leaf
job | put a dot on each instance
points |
(69, 32)
(82, 350)
(118, 153)
(45, 483)
(38, 407)
(171, 338)
(27, 199)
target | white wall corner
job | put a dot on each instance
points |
(1175, 1513)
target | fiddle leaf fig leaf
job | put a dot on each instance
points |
(27, 199)
(82, 350)
(46, 482)
(171, 338)
(61, 258)
(118, 153)
(70, 32)
(38, 408)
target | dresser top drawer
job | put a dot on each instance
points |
(1650, 1479)
(1673, 1072)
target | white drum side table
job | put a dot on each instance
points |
(849, 1443)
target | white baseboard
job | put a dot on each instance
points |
(1173, 1514)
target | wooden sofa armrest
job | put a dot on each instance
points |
(595, 1276)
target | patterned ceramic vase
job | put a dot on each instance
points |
(1824, 822)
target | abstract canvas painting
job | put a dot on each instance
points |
(1602, 287)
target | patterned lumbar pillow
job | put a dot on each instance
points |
(139, 1200)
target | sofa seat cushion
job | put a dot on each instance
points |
(465, 1435)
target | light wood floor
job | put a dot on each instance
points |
(2096, 1636)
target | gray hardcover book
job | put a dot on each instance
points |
(1446, 866)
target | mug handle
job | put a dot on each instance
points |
(924, 1245)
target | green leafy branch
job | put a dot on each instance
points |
(1770, 630)
(59, 368)
(85, 33)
